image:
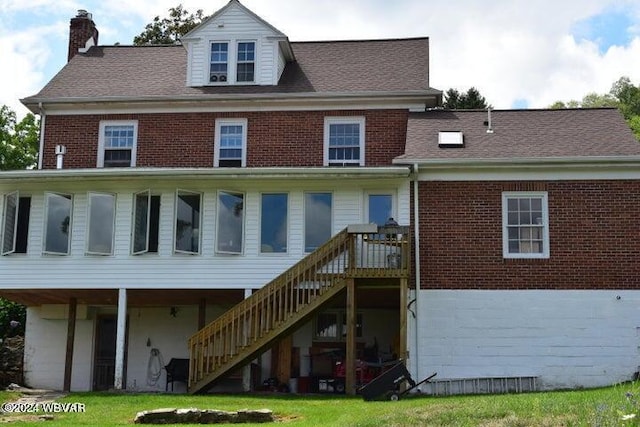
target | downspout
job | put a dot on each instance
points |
(416, 251)
(43, 116)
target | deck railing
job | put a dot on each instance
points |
(255, 322)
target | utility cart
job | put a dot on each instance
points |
(386, 386)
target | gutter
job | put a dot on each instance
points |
(393, 172)
(520, 161)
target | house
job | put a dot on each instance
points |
(225, 203)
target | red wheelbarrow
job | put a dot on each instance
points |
(386, 386)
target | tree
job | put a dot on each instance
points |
(169, 30)
(623, 95)
(19, 141)
(454, 100)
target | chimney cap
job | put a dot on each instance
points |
(82, 13)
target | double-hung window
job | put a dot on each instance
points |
(101, 223)
(15, 226)
(230, 143)
(245, 67)
(57, 223)
(344, 141)
(117, 143)
(219, 65)
(525, 225)
(188, 219)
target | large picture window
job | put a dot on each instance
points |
(101, 220)
(146, 222)
(57, 226)
(230, 230)
(188, 219)
(273, 223)
(525, 223)
(317, 219)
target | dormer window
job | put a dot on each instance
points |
(219, 62)
(246, 62)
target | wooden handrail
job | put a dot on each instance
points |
(258, 319)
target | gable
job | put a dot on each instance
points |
(235, 47)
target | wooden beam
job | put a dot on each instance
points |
(284, 359)
(351, 320)
(71, 332)
(202, 313)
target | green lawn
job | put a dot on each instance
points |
(596, 407)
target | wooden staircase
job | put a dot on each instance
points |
(249, 328)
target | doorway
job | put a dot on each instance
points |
(105, 353)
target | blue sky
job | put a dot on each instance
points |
(518, 53)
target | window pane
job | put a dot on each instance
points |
(101, 217)
(525, 225)
(344, 144)
(327, 325)
(317, 220)
(274, 223)
(230, 222)
(380, 208)
(188, 223)
(141, 223)
(118, 136)
(246, 62)
(58, 223)
(10, 222)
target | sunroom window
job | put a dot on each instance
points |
(15, 228)
(230, 230)
(188, 219)
(101, 223)
(57, 226)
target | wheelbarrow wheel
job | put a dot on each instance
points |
(394, 397)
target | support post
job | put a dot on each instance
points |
(246, 371)
(350, 371)
(120, 339)
(71, 333)
(202, 313)
(402, 350)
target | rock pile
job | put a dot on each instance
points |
(11, 356)
(206, 416)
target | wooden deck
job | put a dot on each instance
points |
(248, 329)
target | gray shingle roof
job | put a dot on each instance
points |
(352, 67)
(520, 134)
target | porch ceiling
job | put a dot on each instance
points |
(135, 297)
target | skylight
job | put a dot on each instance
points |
(450, 139)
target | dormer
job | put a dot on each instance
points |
(235, 47)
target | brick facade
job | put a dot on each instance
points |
(274, 139)
(593, 228)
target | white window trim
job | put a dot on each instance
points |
(46, 221)
(328, 121)
(232, 61)
(545, 221)
(230, 122)
(175, 222)
(103, 125)
(16, 195)
(88, 229)
(304, 216)
(288, 224)
(244, 223)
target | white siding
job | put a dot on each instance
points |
(231, 26)
(282, 62)
(166, 269)
(565, 338)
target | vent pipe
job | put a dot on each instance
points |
(489, 124)
(61, 150)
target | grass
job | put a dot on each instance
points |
(595, 407)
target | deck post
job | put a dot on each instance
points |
(350, 362)
(120, 339)
(402, 350)
(71, 332)
(246, 371)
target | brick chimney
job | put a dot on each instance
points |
(82, 33)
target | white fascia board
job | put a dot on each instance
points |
(567, 168)
(306, 173)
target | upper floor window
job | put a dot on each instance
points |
(525, 225)
(219, 62)
(15, 227)
(146, 222)
(188, 218)
(344, 141)
(57, 225)
(117, 144)
(101, 223)
(245, 71)
(230, 143)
